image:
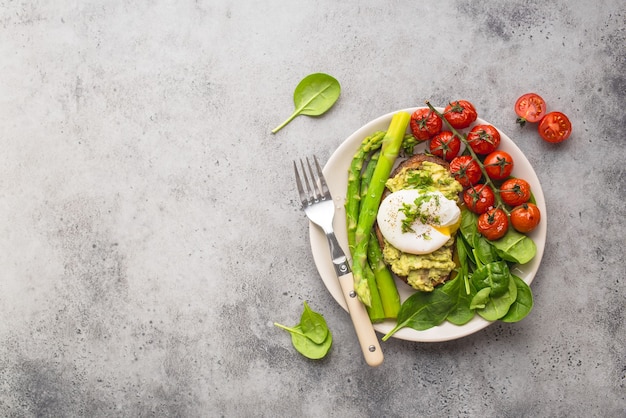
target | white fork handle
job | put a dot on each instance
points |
(362, 323)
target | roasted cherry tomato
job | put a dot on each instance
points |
(498, 165)
(460, 114)
(555, 127)
(483, 139)
(525, 217)
(425, 124)
(479, 198)
(493, 224)
(445, 145)
(465, 170)
(530, 107)
(515, 191)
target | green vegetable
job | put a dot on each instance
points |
(314, 95)
(391, 145)
(495, 275)
(387, 290)
(423, 310)
(311, 337)
(460, 313)
(522, 305)
(495, 307)
(515, 247)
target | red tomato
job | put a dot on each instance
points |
(515, 191)
(555, 127)
(483, 139)
(479, 198)
(465, 170)
(525, 217)
(460, 114)
(425, 124)
(530, 107)
(445, 145)
(498, 165)
(493, 224)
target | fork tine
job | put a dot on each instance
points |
(303, 198)
(315, 181)
(320, 176)
(311, 194)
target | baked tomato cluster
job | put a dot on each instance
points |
(490, 188)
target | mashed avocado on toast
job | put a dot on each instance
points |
(423, 271)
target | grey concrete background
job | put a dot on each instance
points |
(149, 227)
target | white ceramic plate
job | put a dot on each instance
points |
(336, 173)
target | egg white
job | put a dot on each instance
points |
(427, 233)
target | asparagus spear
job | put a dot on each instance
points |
(389, 296)
(391, 145)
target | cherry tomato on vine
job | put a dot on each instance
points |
(445, 145)
(479, 198)
(460, 114)
(493, 224)
(483, 139)
(425, 124)
(498, 165)
(465, 170)
(555, 127)
(530, 107)
(515, 191)
(525, 217)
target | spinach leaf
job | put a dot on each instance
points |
(314, 95)
(469, 227)
(515, 247)
(460, 312)
(496, 307)
(311, 337)
(485, 252)
(313, 325)
(479, 301)
(523, 303)
(422, 311)
(495, 275)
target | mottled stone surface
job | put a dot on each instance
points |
(149, 227)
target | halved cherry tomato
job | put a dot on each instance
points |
(530, 107)
(493, 224)
(460, 114)
(445, 145)
(465, 170)
(555, 127)
(498, 165)
(479, 198)
(483, 139)
(525, 217)
(515, 191)
(425, 124)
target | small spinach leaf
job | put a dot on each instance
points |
(523, 303)
(313, 325)
(422, 311)
(479, 301)
(495, 275)
(314, 95)
(311, 337)
(460, 312)
(496, 307)
(515, 247)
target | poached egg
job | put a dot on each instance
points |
(417, 221)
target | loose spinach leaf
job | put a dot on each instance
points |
(422, 311)
(515, 247)
(460, 312)
(485, 252)
(311, 337)
(469, 228)
(307, 347)
(496, 307)
(314, 95)
(523, 303)
(313, 325)
(480, 299)
(495, 275)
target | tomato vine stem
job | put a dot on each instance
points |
(463, 138)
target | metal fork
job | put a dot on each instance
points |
(318, 205)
